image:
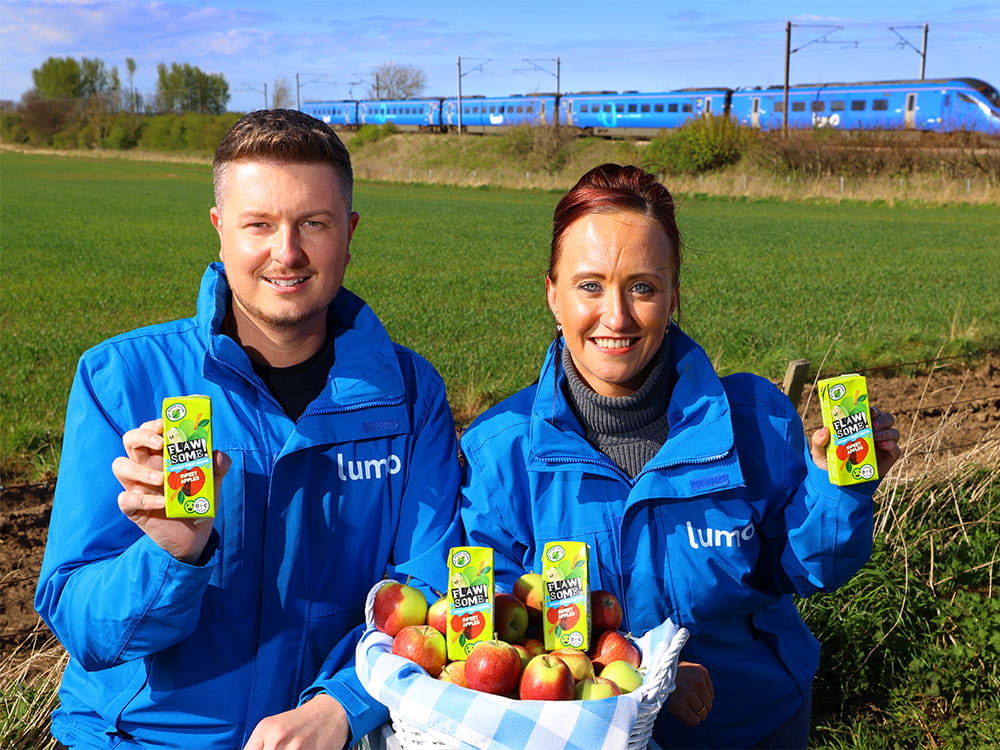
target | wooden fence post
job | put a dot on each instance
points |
(795, 378)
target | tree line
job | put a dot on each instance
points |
(84, 103)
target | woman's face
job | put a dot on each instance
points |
(613, 294)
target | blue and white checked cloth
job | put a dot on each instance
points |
(471, 720)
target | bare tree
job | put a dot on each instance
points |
(282, 97)
(394, 81)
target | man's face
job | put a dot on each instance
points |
(285, 232)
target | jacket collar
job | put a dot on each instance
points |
(365, 368)
(701, 430)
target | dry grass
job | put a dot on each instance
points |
(30, 676)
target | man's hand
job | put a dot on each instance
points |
(141, 475)
(887, 450)
(318, 724)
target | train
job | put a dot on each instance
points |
(939, 105)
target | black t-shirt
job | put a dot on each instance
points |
(295, 387)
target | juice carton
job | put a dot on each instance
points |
(566, 605)
(188, 481)
(470, 599)
(851, 450)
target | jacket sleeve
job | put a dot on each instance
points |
(106, 590)
(428, 528)
(819, 535)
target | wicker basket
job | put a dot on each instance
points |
(658, 683)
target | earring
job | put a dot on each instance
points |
(559, 327)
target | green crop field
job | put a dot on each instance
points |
(94, 247)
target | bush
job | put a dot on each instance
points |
(372, 133)
(701, 145)
(539, 149)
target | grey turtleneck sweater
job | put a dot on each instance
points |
(628, 429)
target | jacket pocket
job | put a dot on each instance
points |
(781, 628)
(225, 597)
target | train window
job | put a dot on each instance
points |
(880, 105)
(858, 105)
(633, 108)
(520, 109)
(493, 109)
(657, 107)
(644, 108)
(798, 106)
(779, 107)
(607, 107)
(837, 106)
(947, 100)
(619, 108)
(687, 108)
(672, 107)
(529, 109)
(584, 108)
(818, 106)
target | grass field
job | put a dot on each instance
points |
(94, 247)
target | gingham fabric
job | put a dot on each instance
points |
(479, 721)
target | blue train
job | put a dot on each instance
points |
(941, 105)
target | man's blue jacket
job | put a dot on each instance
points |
(717, 532)
(311, 514)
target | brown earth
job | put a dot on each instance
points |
(941, 414)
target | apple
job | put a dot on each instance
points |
(605, 611)
(530, 589)
(595, 688)
(396, 606)
(437, 615)
(577, 661)
(493, 667)
(534, 646)
(547, 678)
(612, 646)
(510, 618)
(623, 674)
(523, 653)
(454, 672)
(422, 644)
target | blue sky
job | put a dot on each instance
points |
(630, 44)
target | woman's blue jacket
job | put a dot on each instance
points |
(727, 522)
(311, 514)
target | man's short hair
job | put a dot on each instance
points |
(284, 136)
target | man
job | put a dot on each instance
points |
(336, 450)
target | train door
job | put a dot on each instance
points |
(755, 112)
(910, 115)
(707, 112)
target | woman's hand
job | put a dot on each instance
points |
(887, 450)
(693, 696)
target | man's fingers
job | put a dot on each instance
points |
(145, 439)
(131, 474)
(130, 503)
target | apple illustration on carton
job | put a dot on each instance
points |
(421, 644)
(547, 678)
(396, 606)
(493, 667)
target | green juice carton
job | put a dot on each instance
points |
(188, 481)
(851, 451)
(566, 605)
(470, 599)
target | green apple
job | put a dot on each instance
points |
(623, 674)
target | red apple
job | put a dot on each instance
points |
(423, 645)
(623, 674)
(454, 672)
(397, 606)
(510, 618)
(493, 667)
(605, 611)
(577, 661)
(437, 615)
(595, 688)
(614, 646)
(547, 678)
(534, 646)
(530, 589)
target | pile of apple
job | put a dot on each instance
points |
(515, 662)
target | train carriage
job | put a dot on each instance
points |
(942, 105)
(491, 114)
(638, 114)
(405, 114)
(337, 114)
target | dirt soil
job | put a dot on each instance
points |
(940, 414)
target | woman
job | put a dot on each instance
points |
(700, 497)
